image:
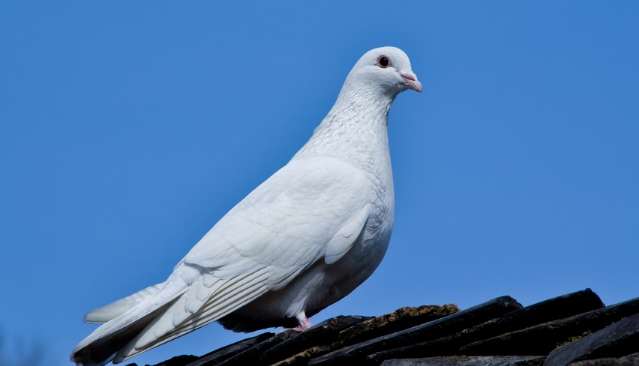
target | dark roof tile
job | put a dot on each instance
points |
(570, 328)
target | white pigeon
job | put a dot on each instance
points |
(302, 240)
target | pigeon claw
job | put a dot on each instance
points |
(304, 322)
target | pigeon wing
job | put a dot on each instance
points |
(311, 209)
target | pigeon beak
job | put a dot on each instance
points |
(410, 80)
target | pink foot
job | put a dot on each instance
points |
(303, 321)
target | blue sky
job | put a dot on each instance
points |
(127, 129)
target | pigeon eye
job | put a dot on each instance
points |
(383, 61)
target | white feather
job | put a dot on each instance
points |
(301, 240)
(119, 307)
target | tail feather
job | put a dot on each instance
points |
(102, 350)
(101, 346)
(113, 310)
(188, 300)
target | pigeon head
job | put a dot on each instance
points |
(385, 69)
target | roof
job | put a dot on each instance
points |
(574, 328)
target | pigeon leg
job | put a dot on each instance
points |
(304, 323)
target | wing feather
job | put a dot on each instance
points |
(343, 240)
(225, 298)
(110, 311)
(307, 211)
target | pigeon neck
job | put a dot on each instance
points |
(355, 129)
(365, 105)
